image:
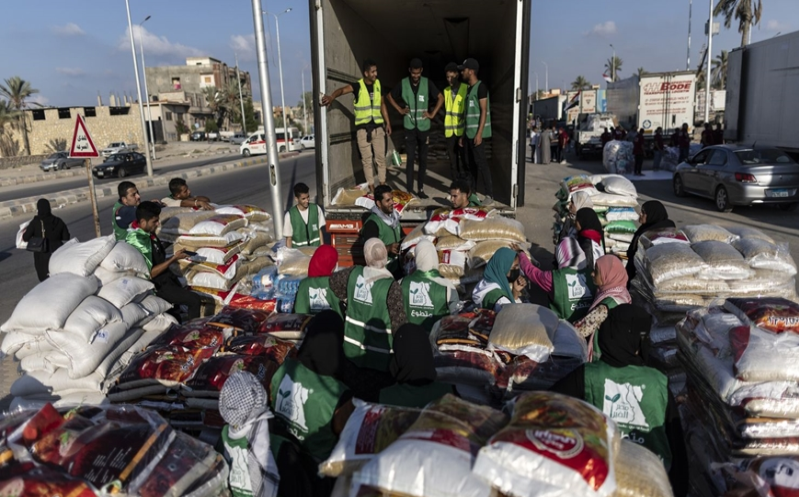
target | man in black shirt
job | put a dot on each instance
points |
(412, 98)
(478, 126)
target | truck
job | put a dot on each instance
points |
(588, 133)
(392, 32)
(761, 105)
(117, 147)
(549, 109)
(654, 100)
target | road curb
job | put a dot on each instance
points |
(27, 206)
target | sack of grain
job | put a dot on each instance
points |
(212, 255)
(125, 258)
(155, 305)
(483, 251)
(84, 357)
(621, 214)
(452, 263)
(524, 329)
(248, 212)
(105, 276)
(46, 383)
(182, 223)
(494, 228)
(81, 258)
(672, 260)
(747, 232)
(572, 184)
(126, 290)
(226, 270)
(22, 345)
(658, 237)
(640, 473)
(90, 316)
(218, 225)
(612, 200)
(255, 241)
(705, 232)
(723, 261)
(291, 262)
(417, 234)
(619, 185)
(762, 254)
(620, 227)
(199, 241)
(452, 242)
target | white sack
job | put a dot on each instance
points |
(125, 257)
(85, 357)
(81, 258)
(91, 315)
(125, 290)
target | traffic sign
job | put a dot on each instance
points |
(82, 144)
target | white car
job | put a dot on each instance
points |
(308, 141)
(254, 145)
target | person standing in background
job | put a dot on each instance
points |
(659, 148)
(371, 121)
(534, 145)
(478, 126)
(684, 142)
(707, 136)
(554, 137)
(718, 135)
(54, 231)
(638, 151)
(563, 144)
(674, 139)
(605, 138)
(545, 146)
(454, 121)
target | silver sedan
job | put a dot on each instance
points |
(737, 175)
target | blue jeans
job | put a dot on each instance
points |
(656, 161)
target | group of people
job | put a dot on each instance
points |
(467, 122)
(549, 145)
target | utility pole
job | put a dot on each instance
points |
(268, 119)
(708, 59)
(146, 92)
(613, 64)
(688, 59)
(241, 98)
(280, 72)
(304, 109)
(138, 89)
(546, 76)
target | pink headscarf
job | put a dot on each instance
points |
(614, 280)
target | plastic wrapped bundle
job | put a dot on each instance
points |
(776, 315)
(415, 236)
(617, 157)
(483, 251)
(763, 282)
(349, 196)
(640, 473)
(524, 329)
(619, 185)
(707, 232)
(292, 262)
(621, 214)
(672, 260)
(723, 261)
(747, 232)
(658, 237)
(452, 242)
(608, 200)
(494, 228)
(762, 254)
(182, 223)
(573, 184)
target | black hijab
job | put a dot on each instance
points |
(322, 349)
(623, 336)
(412, 362)
(588, 220)
(43, 210)
(656, 218)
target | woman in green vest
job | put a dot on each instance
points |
(314, 294)
(413, 369)
(610, 279)
(634, 396)
(502, 281)
(426, 295)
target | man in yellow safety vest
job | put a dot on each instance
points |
(371, 121)
(454, 121)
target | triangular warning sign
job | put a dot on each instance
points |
(82, 144)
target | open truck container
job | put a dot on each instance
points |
(346, 32)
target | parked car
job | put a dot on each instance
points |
(213, 136)
(237, 138)
(118, 147)
(308, 141)
(737, 175)
(121, 165)
(254, 145)
(198, 136)
(58, 161)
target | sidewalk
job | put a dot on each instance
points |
(167, 155)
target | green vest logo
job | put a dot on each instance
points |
(578, 286)
(621, 403)
(318, 299)
(291, 399)
(420, 294)
(363, 290)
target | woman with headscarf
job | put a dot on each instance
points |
(590, 235)
(314, 294)
(579, 200)
(653, 217)
(636, 397)
(610, 279)
(570, 288)
(502, 281)
(413, 370)
(45, 225)
(426, 295)
(370, 314)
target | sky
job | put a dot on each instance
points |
(71, 50)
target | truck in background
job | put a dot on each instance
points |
(588, 133)
(655, 100)
(549, 109)
(761, 104)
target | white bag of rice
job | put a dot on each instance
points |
(81, 258)
(524, 329)
(493, 228)
(705, 232)
(723, 261)
(762, 254)
(672, 260)
(747, 232)
(218, 225)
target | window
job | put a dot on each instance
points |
(38, 114)
(89, 112)
(701, 157)
(763, 156)
(63, 113)
(719, 158)
(168, 116)
(176, 83)
(119, 111)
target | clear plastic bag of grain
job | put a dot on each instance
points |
(723, 261)
(706, 232)
(672, 260)
(762, 254)
(640, 473)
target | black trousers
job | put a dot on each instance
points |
(553, 152)
(415, 139)
(479, 164)
(177, 296)
(639, 163)
(41, 261)
(457, 157)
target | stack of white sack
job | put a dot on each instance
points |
(75, 331)
(615, 204)
(466, 239)
(617, 157)
(231, 243)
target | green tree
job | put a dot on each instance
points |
(249, 114)
(211, 126)
(613, 67)
(18, 91)
(746, 12)
(8, 146)
(580, 83)
(718, 73)
(641, 72)
(216, 102)
(181, 127)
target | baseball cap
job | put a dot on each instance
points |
(451, 67)
(469, 64)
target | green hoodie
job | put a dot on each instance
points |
(141, 241)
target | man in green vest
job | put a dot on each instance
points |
(371, 117)
(125, 209)
(416, 95)
(304, 223)
(384, 223)
(461, 196)
(454, 120)
(478, 126)
(634, 396)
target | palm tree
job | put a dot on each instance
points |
(580, 83)
(7, 114)
(56, 145)
(719, 71)
(641, 72)
(613, 67)
(746, 12)
(17, 91)
(215, 100)
(8, 146)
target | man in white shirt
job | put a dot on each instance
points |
(180, 196)
(533, 144)
(304, 222)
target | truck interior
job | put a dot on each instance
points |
(346, 32)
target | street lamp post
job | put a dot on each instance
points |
(688, 58)
(280, 71)
(613, 64)
(146, 92)
(304, 109)
(709, 60)
(138, 90)
(241, 98)
(546, 76)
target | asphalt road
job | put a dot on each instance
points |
(61, 184)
